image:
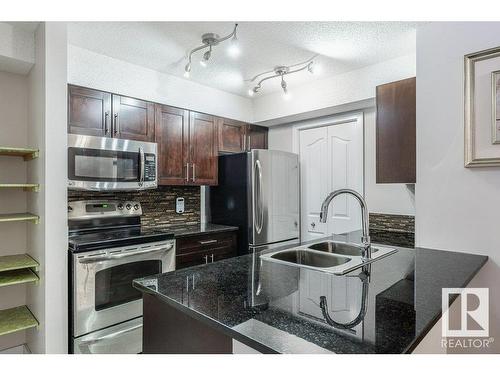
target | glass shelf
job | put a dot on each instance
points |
(26, 216)
(26, 187)
(16, 319)
(25, 153)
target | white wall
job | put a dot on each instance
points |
(90, 69)
(456, 208)
(381, 198)
(341, 89)
(13, 132)
(48, 241)
(17, 49)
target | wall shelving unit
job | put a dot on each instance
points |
(19, 268)
(26, 187)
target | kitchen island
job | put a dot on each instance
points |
(245, 302)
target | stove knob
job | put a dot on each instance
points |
(128, 206)
(120, 206)
(136, 207)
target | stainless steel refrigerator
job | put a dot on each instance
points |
(258, 191)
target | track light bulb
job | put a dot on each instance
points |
(233, 49)
(187, 70)
(284, 86)
(251, 92)
(310, 67)
(206, 55)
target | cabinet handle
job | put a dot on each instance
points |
(206, 258)
(207, 242)
(187, 172)
(212, 256)
(116, 130)
(106, 118)
(194, 172)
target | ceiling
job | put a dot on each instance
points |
(163, 46)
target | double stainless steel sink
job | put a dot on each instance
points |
(327, 256)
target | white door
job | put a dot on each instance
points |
(331, 158)
(314, 180)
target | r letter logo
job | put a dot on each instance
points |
(474, 312)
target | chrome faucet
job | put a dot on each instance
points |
(323, 216)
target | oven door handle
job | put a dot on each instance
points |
(123, 255)
(110, 335)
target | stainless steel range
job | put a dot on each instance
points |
(109, 249)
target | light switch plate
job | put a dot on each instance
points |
(179, 205)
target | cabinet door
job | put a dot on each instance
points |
(396, 132)
(89, 112)
(133, 119)
(256, 137)
(171, 136)
(231, 136)
(203, 149)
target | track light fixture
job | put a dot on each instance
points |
(210, 40)
(281, 71)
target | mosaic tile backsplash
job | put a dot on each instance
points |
(394, 230)
(158, 205)
(393, 223)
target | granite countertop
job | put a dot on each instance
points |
(275, 308)
(194, 229)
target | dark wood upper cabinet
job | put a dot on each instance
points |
(231, 135)
(203, 149)
(133, 119)
(171, 132)
(89, 112)
(396, 132)
(256, 137)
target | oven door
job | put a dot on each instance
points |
(124, 338)
(103, 293)
(99, 163)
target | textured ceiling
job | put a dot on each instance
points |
(163, 46)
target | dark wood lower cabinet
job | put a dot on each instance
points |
(206, 248)
(167, 330)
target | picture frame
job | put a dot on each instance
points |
(495, 106)
(482, 108)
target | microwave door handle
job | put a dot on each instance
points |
(142, 164)
(111, 335)
(123, 255)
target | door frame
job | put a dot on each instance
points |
(320, 122)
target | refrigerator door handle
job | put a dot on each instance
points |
(259, 203)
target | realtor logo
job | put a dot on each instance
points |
(473, 318)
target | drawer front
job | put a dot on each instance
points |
(203, 257)
(204, 242)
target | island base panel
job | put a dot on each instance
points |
(170, 331)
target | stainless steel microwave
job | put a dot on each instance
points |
(101, 164)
